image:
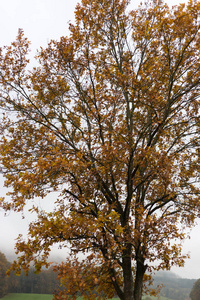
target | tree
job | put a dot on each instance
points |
(4, 265)
(195, 292)
(109, 119)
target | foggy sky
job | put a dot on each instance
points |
(43, 20)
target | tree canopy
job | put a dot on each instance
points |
(110, 120)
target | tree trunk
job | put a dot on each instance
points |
(128, 277)
(140, 271)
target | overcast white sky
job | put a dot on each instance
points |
(43, 20)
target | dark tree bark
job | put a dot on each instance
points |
(140, 271)
(127, 274)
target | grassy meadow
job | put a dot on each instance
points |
(18, 296)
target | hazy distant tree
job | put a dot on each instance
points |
(4, 264)
(195, 292)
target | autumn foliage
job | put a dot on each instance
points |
(110, 120)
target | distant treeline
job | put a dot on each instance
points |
(43, 283)
(46, 282)
(175, 288)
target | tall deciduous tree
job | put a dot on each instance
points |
(110, 119)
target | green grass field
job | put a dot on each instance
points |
(49, 297)
(157, 298)
(27, 297)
